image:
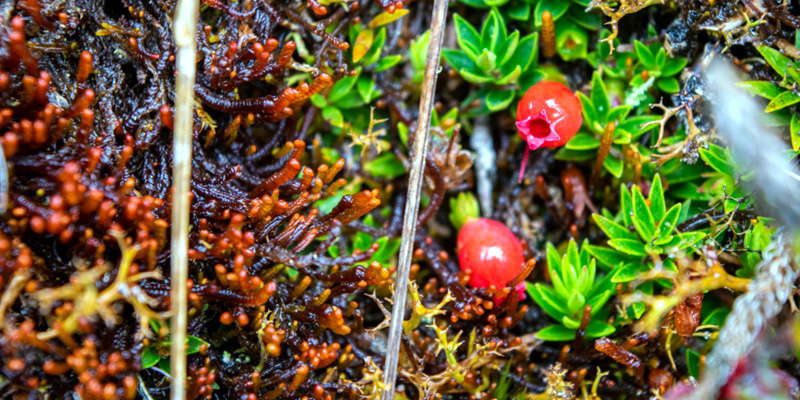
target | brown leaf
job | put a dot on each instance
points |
(687, 315)
(363, 43)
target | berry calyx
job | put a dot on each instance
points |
(548, 115)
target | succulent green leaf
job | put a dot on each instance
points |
(499, 99)
(149, 358)
(716, 158)
(600, 98)
(557, 9)
(612, 229)
(467, 36)
(661, 59)
(386, 165)
(644, 55)
(520, 11)
(642, 217)
(692, 363)
(367, 90)
(626, 205)
(377, 46)
(388, 62)
(493, 32)
(764, 89)
(524, 54)
(775, 59)
(674, 66)
(571, 42)
(333, 116)
(668, 85)
(782, 100)
(486, 61)
(614, 166)
(583, 141)
(463, 208)
(341, 88)
(576, 302)
(549, 301)
(626, 273)
(511, 77)
(657, 205)
(610, 258)
(571, 323)
(628, 246)
(507, 49)
(794, 130)
(459, 60)
(556, 333)
(474, 77)
(597, 329)
(670, 221)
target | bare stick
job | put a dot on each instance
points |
(438, 20)
(184, 30)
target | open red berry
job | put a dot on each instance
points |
(548, 115)
(489, 249)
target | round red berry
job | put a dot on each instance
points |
(490, 251)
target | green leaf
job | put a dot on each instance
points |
(388, 249)
(576, 302)
(149, 358)
(557, 9)
(794, 130)
(613, 166)
(505, 51)
(341, 87)
(467, 36)
(387, 17)
(571, 42)
(674, 66)
(499, 99)
(782, 100)
(670, 221)
(661, 58)
(319, 101)
(493, 32)
(668, 85)
(628, 246)
(600, 98)
(642, 217)
(626, 273)
(333, 116)
(774, 58)
(486, 61)
(657, 205)
(519, 11)
(473, 77)
(609, 258)
(644, 55)
(459, 60)
(549, 301)
(570, 322)
(386, 165)
(418, 50)
(765, 89)
(612, 229)
(366, 88)
(716, 158)
(556, 333)
(193, 344)
(590, 118)
(597, 329)
(626, 205)
(377, 46)
(524, 54)
(693, 363)
(583, 141)
(388, 62)
(511, 77)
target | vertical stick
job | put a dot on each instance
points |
(438, 20)
(184, 30)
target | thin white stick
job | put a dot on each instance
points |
(419, 151)
(184, 30)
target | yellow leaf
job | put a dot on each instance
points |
(385, 18)
(363, 43)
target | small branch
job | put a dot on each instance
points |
(184, 31)
(419, 151)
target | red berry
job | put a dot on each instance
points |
(549, 115)
(489, 249)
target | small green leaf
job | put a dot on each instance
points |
(524, 54)
(597, 329)
(319, 101)
(473, 77)
(765, 89)
(674, 66)
(493, 31)
(668, 85)
(782, 100)
(499, 99)
(193, 344)
(386, 165)
(519, 11)
(613, 166)
(693, 363)
(366, 88)
(388, 249)
(507, 49)
(657, 205)
(549, 301)
(467, 36)
(794, 129)
(459, 60)
(333, 116)
(642, 217)
(388, 62)
(511, 77)
(341, 87)
(610, 258)
(661, 59)
(377, 46)
(600, 98)
(387, 18)
(557, 9)
(571, 42)
(556, 333)
(628, 246)
(486, 61)
(583, 141)
(670, 221)
(644, 55)
(612, 229)
(626, 205)
(149, 358)
(716, 158)
(774, 58)
(576, 302)
(626, 273)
